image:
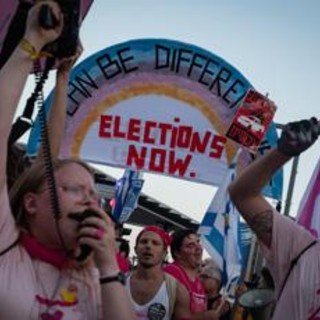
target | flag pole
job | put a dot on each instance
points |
(251, 258)
(293, 176)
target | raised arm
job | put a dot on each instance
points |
(57, 113)
(246, 190)
(14, 73)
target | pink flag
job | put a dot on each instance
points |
(309, 210)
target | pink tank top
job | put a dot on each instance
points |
(198, 300)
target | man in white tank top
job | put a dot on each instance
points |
(146, 285)
(155, 294)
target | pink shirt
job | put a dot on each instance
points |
(198, 300)
(300, 299)
(32, 289)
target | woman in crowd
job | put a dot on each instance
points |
(40, 275)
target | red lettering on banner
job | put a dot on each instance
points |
(134, 129)
(173, 140)
(217, 146)
(116, 132)
(180, 165)
(147, 137)
(105, 124)
(137, 158)
(157, 159)
(164, 129)
(171, 136)
(184, 137)
(197, 144)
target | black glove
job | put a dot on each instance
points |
(298, 136)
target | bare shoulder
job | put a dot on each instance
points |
(182, 294)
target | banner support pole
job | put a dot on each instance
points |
(292, 180)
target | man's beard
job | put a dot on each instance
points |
(149, 265)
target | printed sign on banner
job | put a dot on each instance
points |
(158, 106)
(252, 120)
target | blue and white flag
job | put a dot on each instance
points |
(127, 193)
(219, 231)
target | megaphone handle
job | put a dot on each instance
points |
(47, 20)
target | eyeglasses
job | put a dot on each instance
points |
(80, 192)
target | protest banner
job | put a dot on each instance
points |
(158, 106)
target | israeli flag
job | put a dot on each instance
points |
(219, 232)
(127, 193)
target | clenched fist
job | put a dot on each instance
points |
(298, 136)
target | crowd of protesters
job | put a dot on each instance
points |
(63, 258)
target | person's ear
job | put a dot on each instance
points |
(30, 203)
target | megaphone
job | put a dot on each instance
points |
(259, 302)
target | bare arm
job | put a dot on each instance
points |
(57, 114)
(115, 300)
(14, 74)
(16, 69)
(245, 192)
(116, 304)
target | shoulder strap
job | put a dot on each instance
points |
(184, 279)
(293, 264)
(171, 284)
(2, 253)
